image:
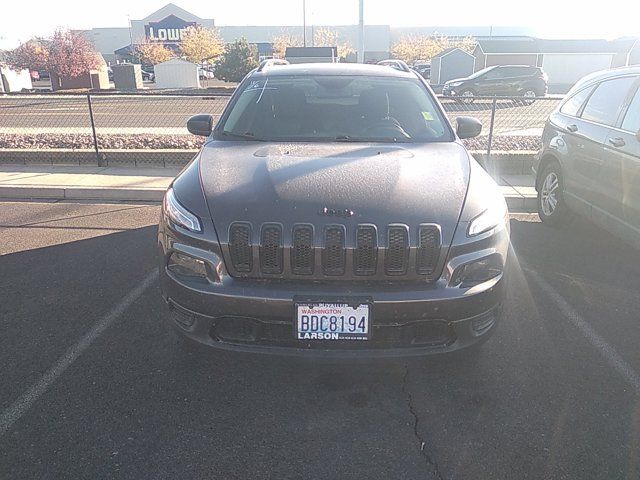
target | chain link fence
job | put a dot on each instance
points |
(150, 129)
(509, 123)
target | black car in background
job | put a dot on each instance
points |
(424, 69)
(333, 210)
(590, 157)
(499, 80)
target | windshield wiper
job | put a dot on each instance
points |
(245, 136)
(349, 138)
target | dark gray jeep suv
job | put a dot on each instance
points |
(333, 210)
(590, 157)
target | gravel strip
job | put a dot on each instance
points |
(159, 142)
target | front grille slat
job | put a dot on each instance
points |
(334, 253)
(302, 252)
(366, 250)
(428, 249)
(271, 249)
(240, 247)
(397, 255)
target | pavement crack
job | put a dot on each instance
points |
(432, 464)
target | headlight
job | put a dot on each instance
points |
(490, 218)
(180, 215)
(455, 84)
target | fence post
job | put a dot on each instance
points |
(493, 116)
(93, 131)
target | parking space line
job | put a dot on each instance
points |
(14, 412)
(609, 353)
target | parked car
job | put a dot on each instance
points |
(147, 76)
(499, 80)
(590, 157)
(424, 69)
(205, 73)
(396, 64)
(334, 210)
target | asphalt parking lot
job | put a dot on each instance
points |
(95, 385)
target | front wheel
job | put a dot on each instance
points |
(467, 96)
(552, 209)
(529, 96)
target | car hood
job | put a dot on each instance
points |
(454, 80)
(292, 183)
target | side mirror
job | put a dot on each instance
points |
(200, 125)
(638, 135)
(468, 127)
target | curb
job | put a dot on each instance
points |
(520, 204)
(124, 194)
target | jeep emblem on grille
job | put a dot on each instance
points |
(336, 212)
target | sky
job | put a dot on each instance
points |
(546, 18)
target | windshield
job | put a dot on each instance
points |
(479, 73)
(335, 108)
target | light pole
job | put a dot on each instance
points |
(361, 31)
(633, 46)
(304, 23)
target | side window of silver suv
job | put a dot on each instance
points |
(572, 106)
(605, 103)
(631, 122)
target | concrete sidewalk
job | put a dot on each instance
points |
(149, 184)
(85, 183)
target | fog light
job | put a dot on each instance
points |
(477, 272)
(186, 266)
(483, 323)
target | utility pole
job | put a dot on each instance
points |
(361, 31)
(633, 46)
(130, 34)
(304, 22)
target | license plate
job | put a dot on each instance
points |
(332, 321)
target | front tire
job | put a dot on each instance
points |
(552, 208)
(467, 96)
(529, 96)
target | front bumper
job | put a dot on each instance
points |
(253, 316)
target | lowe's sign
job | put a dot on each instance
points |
(169, 30)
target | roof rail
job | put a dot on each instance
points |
(397, 64)
(271, 62)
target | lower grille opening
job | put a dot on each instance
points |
(277, 333)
